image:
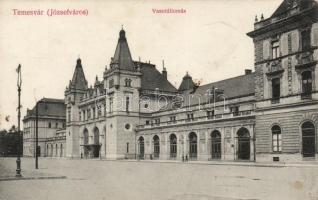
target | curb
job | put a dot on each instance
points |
(31, 178)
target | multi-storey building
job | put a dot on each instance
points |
(267, 115)
(136, 112)
(286, 84)
(51, 129)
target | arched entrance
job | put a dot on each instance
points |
(141, 144)
(216, 145)
(156, 147)
(95, 147)
(308, 139)
(61, 151)
(193, 146)
(173, 146)
(244, 148)
(85, 142)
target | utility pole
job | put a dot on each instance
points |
(36, 134)
(19, 83)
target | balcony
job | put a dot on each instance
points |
(199, 119)
(275, 68)
(305, 60)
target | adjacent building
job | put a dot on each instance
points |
(51, 129)
(286, 82)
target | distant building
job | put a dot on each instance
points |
(286, 82)
(51, 129)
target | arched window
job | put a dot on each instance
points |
(56, 150)
(96, 136)
(173, 146)
(156, 146)
(308, 139)
(128, 82)
(61, 150)
(216, 144)
(306, 81)
(141, 145)
(276, 139)
(193, 142)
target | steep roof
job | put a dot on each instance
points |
(78, 80)
(151, 78)
(187, 83)
(49, 107)
(122, 58)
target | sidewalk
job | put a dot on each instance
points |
(222, 162)
(9, 175)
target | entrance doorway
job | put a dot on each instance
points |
(244, 148)
(141, 148)
(156, 147)
(216, 145)
(193, 147)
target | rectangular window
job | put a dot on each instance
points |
(147, 122)
(49, 125)
(94, 113)
(56, 125)
(235, 110)
(127, 104)
(305, 39)
(157, 121)
(84, 115)
(88, 113)
(275, 88)
(275, 49)
(190, 117)
(127, 147)
(210, 114)
(277, 142)
(111, 83)
(173, 119)
(111, 105)
(99, 111)
(68, 115)
(80, 115)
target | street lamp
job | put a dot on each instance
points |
(19, 83)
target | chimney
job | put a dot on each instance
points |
(248, 71)
(164, 70)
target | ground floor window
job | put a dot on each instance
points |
(156, 146)
(308, 139)
(173, 146)
(216, 145)
(276, 139)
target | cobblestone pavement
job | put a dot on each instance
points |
(119, 180)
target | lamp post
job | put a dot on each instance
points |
(19, 83)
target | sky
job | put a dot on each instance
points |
(209, 42)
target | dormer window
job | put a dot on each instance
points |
(275, 49)
(127, 82)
